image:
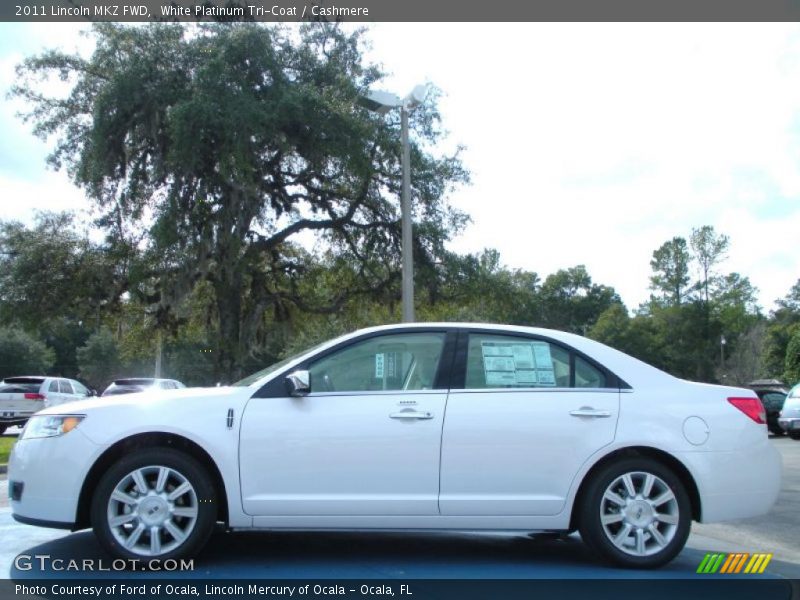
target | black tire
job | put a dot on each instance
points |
(3, 429)
(594, 534)
(776, 430)
(178, 465)
(795, 435)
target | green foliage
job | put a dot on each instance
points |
(571, 302)
(670, 279)
(99, 359)
(791, 373)
(709, 249)
(6, 443)
(23, 354)
(51, 271)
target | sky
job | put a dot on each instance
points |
(588, 143)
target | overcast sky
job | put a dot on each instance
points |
(588, 143)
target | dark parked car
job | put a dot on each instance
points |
(140, 384)
(772, 394)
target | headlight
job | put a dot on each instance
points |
(44, 426)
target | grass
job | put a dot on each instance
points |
(5, 448)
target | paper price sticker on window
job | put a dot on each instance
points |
(517, 364)
(379, 362)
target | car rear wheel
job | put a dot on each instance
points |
(795, 435)
(157, 503)
(2, 429)
(635, 513)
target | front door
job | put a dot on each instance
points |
(365, 441)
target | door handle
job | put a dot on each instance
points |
(588, 411)
(411, 414)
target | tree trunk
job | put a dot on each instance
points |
(229, 307)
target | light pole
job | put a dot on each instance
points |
(722, 342)
(382, 103)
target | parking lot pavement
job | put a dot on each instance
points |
(329, 555)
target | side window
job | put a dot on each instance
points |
(499, 361)
(389, 362)
(587, 376)
(80, 388)
(65, 386)
(166, 385)
(53, 386)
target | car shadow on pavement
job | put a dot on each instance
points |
(355, 555)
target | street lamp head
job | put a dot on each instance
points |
(379, 101)
(417, 96)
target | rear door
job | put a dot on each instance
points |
(529, 413)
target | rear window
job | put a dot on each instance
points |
(122, 389)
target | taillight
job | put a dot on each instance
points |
(31, 396)
(752, 407)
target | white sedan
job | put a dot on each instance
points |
(421, 427)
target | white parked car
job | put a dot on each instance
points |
(21, 397)
(423, 426)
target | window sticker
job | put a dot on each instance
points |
(379, 366)
(524, 364)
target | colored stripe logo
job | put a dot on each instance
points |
(738, 562)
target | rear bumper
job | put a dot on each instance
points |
(738, 484)
(11, 418)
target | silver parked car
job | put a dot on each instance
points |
(790, 415)
(20, 397)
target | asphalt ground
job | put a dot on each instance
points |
(327, 555)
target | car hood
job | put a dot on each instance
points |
(148, 397)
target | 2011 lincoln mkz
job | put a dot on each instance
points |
(425, 427)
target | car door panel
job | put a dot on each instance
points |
(341, 455)
(521, 426)
(365, 441)
(511, 452)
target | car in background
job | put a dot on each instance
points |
(21, 397)
(789, 419)
(134, 385)
(441, 426)
(772, 394)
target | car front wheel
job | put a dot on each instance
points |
(635, 513)
(156, 503)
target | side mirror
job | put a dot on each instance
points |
(298, 383)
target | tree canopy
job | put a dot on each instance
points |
(216, 147)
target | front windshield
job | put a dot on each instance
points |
(274, 367)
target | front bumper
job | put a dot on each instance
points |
(50, 472)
